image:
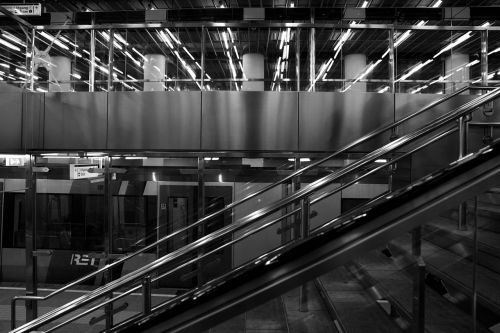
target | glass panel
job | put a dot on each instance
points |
(351, 60)
(13, 50)
(448, 62)
(251, 59)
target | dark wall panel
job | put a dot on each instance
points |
(11, 114)
(33, 120)
(250, 120)
(329, 120)
(154, 120)
(75, 120)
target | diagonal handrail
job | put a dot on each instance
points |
(236, 203)
(257, 215)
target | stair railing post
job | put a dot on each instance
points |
(305, 206)
(146, 295)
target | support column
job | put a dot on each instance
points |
(354, 65)
(30, 225)
(59, 74)
(154, 72)
(253, 66)
(458, 78)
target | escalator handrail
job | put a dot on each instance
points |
(252, 195)
(257, 215)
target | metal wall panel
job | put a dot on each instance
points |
(330, 120)
(154, 120)
(33, 120)
(249, 120)
(75, 120)
(11, 115)
(441, 153)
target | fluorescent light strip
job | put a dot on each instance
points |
(76, 76)
(13, 39)
(458, 41)
(54, 40)
(225, 40)
(139, 53)
(230, 34)
(165, 39)
(189, 54)
(173, 37)
(9, 45)
(414, 70)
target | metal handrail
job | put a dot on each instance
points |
(257, 215)
(245, 199)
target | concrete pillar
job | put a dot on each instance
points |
(154, 71)
(60, 72)
(354, 65)
(455, 65)
(253, 66)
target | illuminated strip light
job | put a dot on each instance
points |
(137, 62)
(139, 54)
(9, 45)
(322, 70)
(460, 40)
(64, 39)
(414, 70)
(76, 76)
(282, 43)
(242, 71)
(41, 90)
(364, 74)
(5, 65)
(165, 39)
(197, 64)
(236, 52)
(78, 54)
(52, 39)
(13, 38)
(189, 54)
(472, 63)
(120, 39)
(365, 4)
(419, 89)
(119, 71)
(225, 40)
(230, 34)
(26, 73)
(131, 77)
(383, 90)
(115, 43)
(173, 37)
(437, 4)
(127, 85)
(494, 51)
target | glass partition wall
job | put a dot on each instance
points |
(418, 58)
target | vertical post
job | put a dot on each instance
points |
(418, 324)
(484, 57)
(312, 53)
(111, 59)
(463, 133)
(108, 242)
(391, 61)
(304, 210)
(32, 60)
(146, 295)
(297, 56)
(474, 270)
(201, 213)
(203, 41)
(30, 225)
(92, 56)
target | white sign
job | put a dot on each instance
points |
(33, 9)
(81, 171)
(14, 161)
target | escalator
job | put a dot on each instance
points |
(312, 252)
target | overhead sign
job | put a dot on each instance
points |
(81, 171)
(32, 9)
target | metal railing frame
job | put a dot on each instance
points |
(292, 198)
